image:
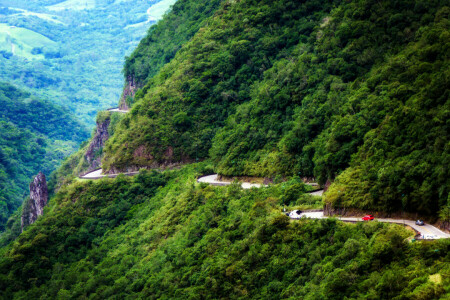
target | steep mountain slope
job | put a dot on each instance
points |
(35, 136)
(163, 41)
(356, 90)
(180, 109)
(161, 236)
(293, 89)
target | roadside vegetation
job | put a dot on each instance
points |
(162, 235)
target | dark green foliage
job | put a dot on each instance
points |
(91, 209)
(403, 163)
(39, 116)
(308, 89)
(117, 238)
(35, 136)
(208, 78)
(311, 113)
(166, 38)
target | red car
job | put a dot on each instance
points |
(368, 218)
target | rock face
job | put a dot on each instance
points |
(34, 206)
(93, 154)
(130, 89)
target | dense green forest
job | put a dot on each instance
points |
(35, 135)
(160, 235)
(163, 41)
(352, 92)
(309, 89)
(72, 51)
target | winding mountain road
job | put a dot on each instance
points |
(426, 231)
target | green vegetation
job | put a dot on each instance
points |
(71, 51)
(23, 42)
(166, 38)
(309, 89)
(163, 236)
(350, 91)
(157, 11)
(208, 78)
(77, 163)
(73, 5)
(35, 136)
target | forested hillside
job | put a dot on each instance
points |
(161, 236)
(282, 89)
(355, 93)
(35, 136)
(166, 38)
(71, 52)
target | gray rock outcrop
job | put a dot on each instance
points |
(93, 154)
(34, 206)
(131, 86)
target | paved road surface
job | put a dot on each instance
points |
(317, 193)
(427, 231)
(117, 110)
(212, 179)
(97, 174)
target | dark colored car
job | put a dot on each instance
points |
(420, 223)
(368, 218)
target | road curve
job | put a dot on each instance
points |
(116, 109)
(98, 174)
(213, 180)
(426, 231)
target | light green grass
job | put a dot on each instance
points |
(73, 5)
(21, 41)
(157, 11)
(46, 17)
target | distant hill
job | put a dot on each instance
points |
(72, 51)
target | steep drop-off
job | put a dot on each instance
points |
(159, 236)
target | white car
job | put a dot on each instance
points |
(430, 237)
(295, 214)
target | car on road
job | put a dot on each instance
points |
(420, 223)
(368, 218)
(295, 214)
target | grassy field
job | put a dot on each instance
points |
(21, 41)
(46, 17)
(73, 5)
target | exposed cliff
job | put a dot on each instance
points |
(129, 91)
(34, 206)
(35, 135)
(93, 154)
